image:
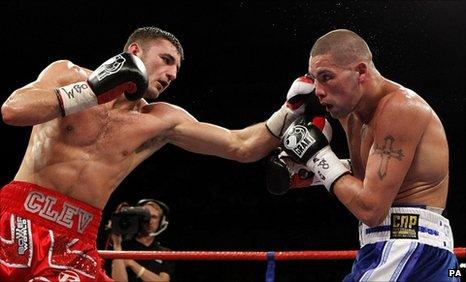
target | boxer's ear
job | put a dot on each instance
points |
(134, 48)
(361, 68)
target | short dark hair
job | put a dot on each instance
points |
(345, 45)
(143, 34)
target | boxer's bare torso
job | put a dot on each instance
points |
(426, 181)
(86, 155)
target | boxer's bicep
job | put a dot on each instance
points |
(386, 168)
(391, 154)
(43, 82)
(57, 74)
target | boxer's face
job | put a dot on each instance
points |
(162, 63)
(337, 86)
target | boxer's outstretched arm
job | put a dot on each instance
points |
(246, 145)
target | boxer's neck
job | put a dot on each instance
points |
(123, 104)
(373, 91)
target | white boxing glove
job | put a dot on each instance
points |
(300, 175)
(294, 106)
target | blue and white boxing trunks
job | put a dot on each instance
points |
(411, 244)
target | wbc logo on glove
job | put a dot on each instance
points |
(298, 140)
(110, 66)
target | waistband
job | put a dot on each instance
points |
(51, 210)
(410, 223)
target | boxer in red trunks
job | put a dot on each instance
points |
(48, 234)
(90, 130)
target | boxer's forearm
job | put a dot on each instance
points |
(245, 145)
(360, 202)
(30, 106)
(254, 142)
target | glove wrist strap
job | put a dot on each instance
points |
(327, 166)
(75, 97)
(280, 121)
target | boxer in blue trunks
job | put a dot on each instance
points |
(398, 184)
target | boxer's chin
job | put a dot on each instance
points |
(152, 93)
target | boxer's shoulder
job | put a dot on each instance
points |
(167, 112)
(62, 72)
(399, 96)
(65, 66)
(402, 104)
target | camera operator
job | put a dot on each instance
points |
(144, 240)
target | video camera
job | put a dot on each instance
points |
(130, 221)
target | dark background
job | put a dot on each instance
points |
(241, 58)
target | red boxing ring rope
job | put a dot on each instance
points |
(270, 257)
(237, 256)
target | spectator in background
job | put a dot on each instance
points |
(145, 240)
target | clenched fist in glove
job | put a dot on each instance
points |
(123, 73)
(296, 99)
(283, 174)
(308, 144)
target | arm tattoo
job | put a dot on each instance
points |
(387, 152)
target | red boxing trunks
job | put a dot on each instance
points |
(46, 236)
